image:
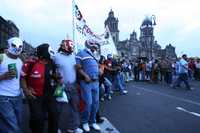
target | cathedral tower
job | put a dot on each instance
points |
(112, 23)
(147, 37)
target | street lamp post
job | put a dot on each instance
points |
(153, 19)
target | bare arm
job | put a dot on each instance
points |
(82, 73)
(7, 75)
(27, 90)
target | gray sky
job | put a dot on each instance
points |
(178, 21)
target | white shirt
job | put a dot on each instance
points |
(10, 87)
(197, 65)
(66, 67)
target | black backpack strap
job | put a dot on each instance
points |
(93, 57)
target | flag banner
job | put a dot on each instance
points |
(81, 26)
(83, 32)
(107, 46)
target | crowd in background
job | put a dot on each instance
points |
(159, 70)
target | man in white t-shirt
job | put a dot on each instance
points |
(65, 60)
(10, 94)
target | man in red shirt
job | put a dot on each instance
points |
(38, 84)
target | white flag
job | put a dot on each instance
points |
(108, 45)
(80, 25)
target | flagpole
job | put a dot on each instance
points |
(73, 26)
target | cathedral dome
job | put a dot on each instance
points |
(147, 21)
(111, 13)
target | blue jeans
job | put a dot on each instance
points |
(182, 77)
(119, 82)
(107, 85)
(10, 114)
(90, 95)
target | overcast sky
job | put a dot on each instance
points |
(178, 21)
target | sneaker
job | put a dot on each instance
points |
(191, 88)
(86, 127)
(96, 127)
(78, 130)
(109, 97)
(102, 99)
(70, 131)
(111, 92)
(124, 92)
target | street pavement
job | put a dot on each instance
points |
(155, 108)
(152, 108)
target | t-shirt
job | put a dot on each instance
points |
(66, 66)
(35, 76)
(10, 87)
(89, 64)
(197, 65)
(183, 66)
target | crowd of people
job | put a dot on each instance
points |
(163, 70)
(65, 89)
(60, 87)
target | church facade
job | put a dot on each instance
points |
(144, 46)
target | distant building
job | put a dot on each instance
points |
(147, 39)
(144, 47)
(169, 52)
(7, 29)
(112, 24)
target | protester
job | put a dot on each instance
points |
(39, 81)
(87, 67)
(183, 73)
(103, 80)
(191, 69)
(136, 71)
(155, 72)
(104, 89)
(118, 79)
(69, 119)
(148, 70)
(197, 66)
(168, 72)
(10, 93)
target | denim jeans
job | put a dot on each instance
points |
(108, 86)
(119, 82)
(10, 114)
(182, 77)
(90, 95)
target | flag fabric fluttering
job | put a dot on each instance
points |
(107, 44)
(81, 25)
(82, 30)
